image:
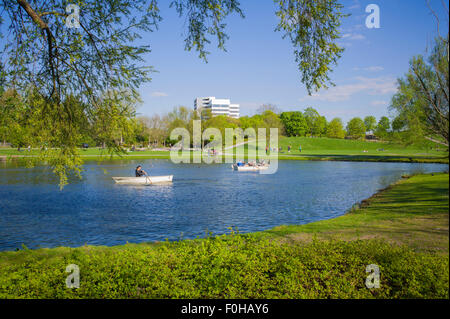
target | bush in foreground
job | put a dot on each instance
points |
(229, 266)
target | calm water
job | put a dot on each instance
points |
(201, 198)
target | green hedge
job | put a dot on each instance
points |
(229, 266)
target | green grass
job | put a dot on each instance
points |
(325, 259)
(324, 145)
(312, 149)
(356, 150)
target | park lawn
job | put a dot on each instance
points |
(312, 149)
(325, 259)
(325, 145)
(330, 149)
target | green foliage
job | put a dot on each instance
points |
(206, 17)
(383, 127)
(422, 100)
(398, 124)
(370, 122)
(271, 120)
(228, 266)
(321, 126)
(220, 122)
(251, 122)
(356, 128)
(98, 56)
(13, 119)
(312, 116)
(335, 129)
(294, 123)
(313, 28)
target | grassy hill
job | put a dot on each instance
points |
(331, 149)
(324, 145)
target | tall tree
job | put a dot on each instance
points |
(272, 120)
(422, 100)
(294, 123)
(356, 128)
(321, 126)
(335, 128)
(312, 118)
(383, 127)
(370, 122)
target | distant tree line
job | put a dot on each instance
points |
(23, 121)
(155, 130)
(311, 123)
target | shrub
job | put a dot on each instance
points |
(228, 266)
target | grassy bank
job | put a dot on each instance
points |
(403, 230)
(327, 149)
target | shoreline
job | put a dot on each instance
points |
(310, 157)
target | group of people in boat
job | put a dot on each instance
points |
(252, 163)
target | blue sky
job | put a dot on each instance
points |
(259, 65)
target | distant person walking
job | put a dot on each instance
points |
(289, 148)
(300, 148)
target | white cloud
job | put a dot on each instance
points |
(159, 94)
(353, 36)
(370, 69)
(355, 5)
(370, 86)
(379, 103)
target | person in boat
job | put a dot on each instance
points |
(140, 172)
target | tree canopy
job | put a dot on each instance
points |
(356, 128)
(422, 100)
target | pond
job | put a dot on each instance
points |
(202, 198)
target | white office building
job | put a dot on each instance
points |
(217, 106)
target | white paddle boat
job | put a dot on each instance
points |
(143, 180)
(249, 168)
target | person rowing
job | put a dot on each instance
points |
(140, 172)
